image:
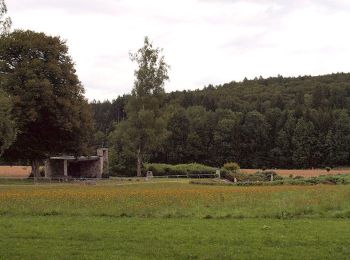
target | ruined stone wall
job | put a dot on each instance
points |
(54, 168)
(91, 169)
(85, 169)
(103, 152)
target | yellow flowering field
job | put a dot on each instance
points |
(168, 200)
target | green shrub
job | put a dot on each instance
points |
(256, 177)
(192, 170)
(256, 180)
(266, 175)
(240, 177)
(231, 167)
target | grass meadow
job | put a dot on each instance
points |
(173, 220)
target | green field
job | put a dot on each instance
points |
(173, 220)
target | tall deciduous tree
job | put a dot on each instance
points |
(7, 124)
(5, 21)
(142, 132)
(52, 114)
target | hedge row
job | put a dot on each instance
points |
(260, 176)
(307, 181)
(325, 179)
(191, 170)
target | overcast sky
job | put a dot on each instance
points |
(204, 41)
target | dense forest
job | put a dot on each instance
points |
(278, 122)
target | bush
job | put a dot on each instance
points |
(240, 177)
(328, 169)
(256, 177)
(298, 177)
(266, 175)
(192, 170)
(231, 167)
(257, 180)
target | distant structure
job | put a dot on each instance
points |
(78, 167)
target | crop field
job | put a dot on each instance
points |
(15, 171)
(24, 171)
(174, 220)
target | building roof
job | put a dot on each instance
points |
(77, 159)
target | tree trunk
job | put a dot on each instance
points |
(35, 169)
(139, 163)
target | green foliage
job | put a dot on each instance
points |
(100, 139)
(7, 124)
(231, 167)
(121, 156)
(51, 112)
(260, 176)
(262, 179)
(191, 170)
(108, 113)
(5, 21)
(151, 74)
(325, 179)
(266, 175)
(145, 129)
(305, 144)
(275, 122)
(177, 141)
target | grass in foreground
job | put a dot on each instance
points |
(135, 238)
(174, 221)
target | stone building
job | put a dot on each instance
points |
(78, 167)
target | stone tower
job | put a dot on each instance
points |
(103, 154)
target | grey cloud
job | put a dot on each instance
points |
(243, 43)
(108, 60)
(335, 5)
(268, 17)
(327, 51)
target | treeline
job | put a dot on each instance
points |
(276, 122)
(107, 114)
